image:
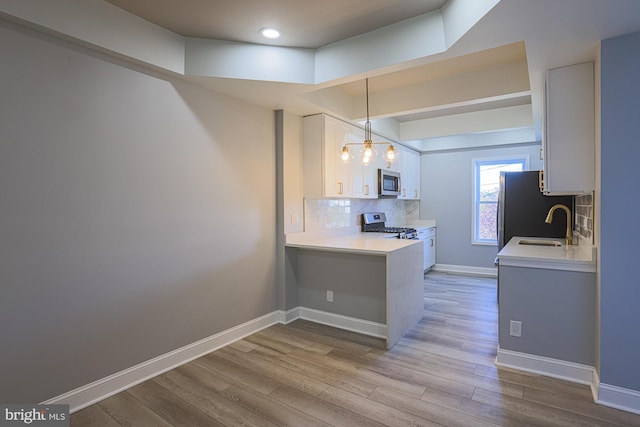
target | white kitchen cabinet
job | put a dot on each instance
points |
(569, 130)
(428, 236)
(325, 173)
(364, 178)
(409, 174)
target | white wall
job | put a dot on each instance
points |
(137, 216)
(447, 189)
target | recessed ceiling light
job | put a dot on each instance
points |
(270, 33)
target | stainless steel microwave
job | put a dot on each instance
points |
(388, 183)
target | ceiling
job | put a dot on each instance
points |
(487, 80)
(306, 23)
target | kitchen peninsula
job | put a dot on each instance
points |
(365, 282)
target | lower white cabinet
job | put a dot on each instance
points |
(428, 236)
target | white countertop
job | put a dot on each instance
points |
(420, 224)
(580, 257)
(349, 239)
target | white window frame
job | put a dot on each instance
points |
(475, 190)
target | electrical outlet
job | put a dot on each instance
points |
(515, 328)
(330, 296)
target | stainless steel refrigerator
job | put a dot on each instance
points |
(522, 208)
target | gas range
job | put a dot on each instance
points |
(375, 222)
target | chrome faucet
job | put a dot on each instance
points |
(569, 238)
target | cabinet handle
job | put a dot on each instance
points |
(541, 181)
(340, 188)
(431, 242)
(404, 192)
(416, 191)
(365, 189)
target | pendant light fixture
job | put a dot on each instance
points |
(368, 152)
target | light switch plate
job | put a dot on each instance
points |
(515, 328)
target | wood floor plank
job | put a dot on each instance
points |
(126, 410)
(382, 413)
(317, 372)
(548, 415)
(408, 374)
(580, 406)
(205, 398)
(270, 409)
(356, 372)
(451, 380)
(237, 373)
(173, 410)
(333, 342)
(274, 370)
(328, 412)
(499, 416)
(243, 345)
(535, 381)
(291, 339)
(93, 415)
(427, 410)
(342, 334)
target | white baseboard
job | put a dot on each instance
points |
(289, 315)
(465, 269)
(108, 386)
(555, 368)
(353, 324)
(619, 398)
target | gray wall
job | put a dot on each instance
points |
(447, 189)
(137, 216)
(358, 282)
(557, 311)
(620, 152)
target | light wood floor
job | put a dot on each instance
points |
(304, 374)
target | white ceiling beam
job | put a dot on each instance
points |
(503, 80)
(102, 26)
(478, 121)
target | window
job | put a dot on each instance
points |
(485, 200)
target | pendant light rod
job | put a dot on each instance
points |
(367, 153)
(367, 125)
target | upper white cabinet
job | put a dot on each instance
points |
(364, 178)
(326, 175)
(409, 174)
(569, 130)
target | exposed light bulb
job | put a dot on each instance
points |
(345, 153)
(367, 149)
(270, 33)
(391, 153)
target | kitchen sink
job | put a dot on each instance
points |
(530, 242)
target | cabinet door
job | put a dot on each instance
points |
(430, 249)
(337, 173)
(428, 237)
(364, 178)
(569, 130)
(409, 174)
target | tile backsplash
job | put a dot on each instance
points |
(323, 214)
(584, 216)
